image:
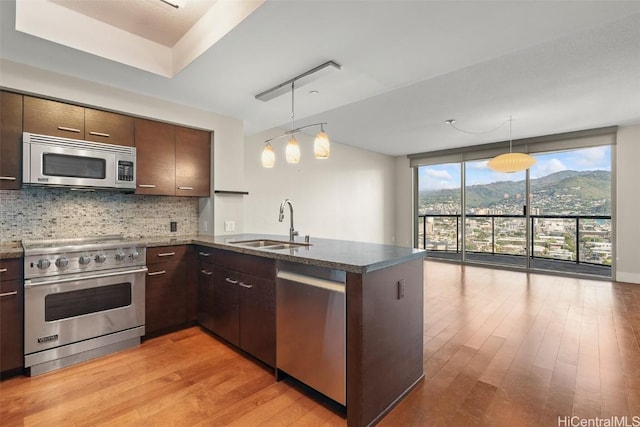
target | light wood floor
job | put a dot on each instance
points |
(501, 349)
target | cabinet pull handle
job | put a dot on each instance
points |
(106, 135)
(147, 185)
(3, 270)
(233, 282)
(204, 253)
(208, 273)
(244, 285)
(8, 294)
(7, 178)
(156, 273)
(74, 130)
(185, 188)
(167, 254)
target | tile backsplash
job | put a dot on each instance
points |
(55, 213)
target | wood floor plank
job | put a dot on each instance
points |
(501, 348)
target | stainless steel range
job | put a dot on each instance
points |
(83, 298)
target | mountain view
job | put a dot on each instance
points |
(561, 193)
(569, 196)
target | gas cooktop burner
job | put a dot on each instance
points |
(67, 256)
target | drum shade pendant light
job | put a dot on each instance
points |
(511, 162)
(321, 144)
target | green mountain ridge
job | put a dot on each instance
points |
(582, 187)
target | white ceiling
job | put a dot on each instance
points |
(407, 66)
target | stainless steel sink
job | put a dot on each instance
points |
(273, 245)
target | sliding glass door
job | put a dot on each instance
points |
(495, 222)
(554, 217)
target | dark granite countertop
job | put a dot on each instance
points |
(11, 250)
(354, 257)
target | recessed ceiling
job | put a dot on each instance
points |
(406, 67)
(150, 35)
(154, 20)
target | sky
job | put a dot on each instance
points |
(448, 175)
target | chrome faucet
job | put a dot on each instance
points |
(292, 232)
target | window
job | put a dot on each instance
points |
(556, 216)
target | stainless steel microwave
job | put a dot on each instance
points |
(54, 161)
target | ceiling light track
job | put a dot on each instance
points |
(295, 131)
(302, 79)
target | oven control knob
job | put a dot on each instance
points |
(84, 260)
(120, 256)
(44, 263)
(101, 258)
(134, 254)
(62, 262)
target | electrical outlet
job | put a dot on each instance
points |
(229, 226)
(205, 226)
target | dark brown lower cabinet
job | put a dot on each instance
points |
(11, 306)
(167, 290)
(236, 305)
(226, 305)
(257, 317)
(166, 297)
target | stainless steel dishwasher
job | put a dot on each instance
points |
(311, 327)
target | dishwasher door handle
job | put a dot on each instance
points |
(311, 281)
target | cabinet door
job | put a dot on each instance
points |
(11, 331)
(166, 297)
(10, 141)
(258, 317)
(226, 305)
(205, 296)
(53, 118)
(193, 162)
(156, 160)
(11, 354)
(108, 128)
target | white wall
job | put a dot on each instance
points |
(350, 196)
(404, 202)
(628, 205)
(228, 132)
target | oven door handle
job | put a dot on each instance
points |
(29, 283)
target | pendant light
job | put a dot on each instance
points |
(293, 150)
(511, 162)
(268, 156)
(321, 144)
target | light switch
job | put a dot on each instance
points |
(229, 226)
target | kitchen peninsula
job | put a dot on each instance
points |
(384, 309)
(383, 304)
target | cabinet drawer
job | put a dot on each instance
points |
(10, 269)
(53, 118)
(10, 287)
(248, 264)
(165, 254)
(205, 255)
